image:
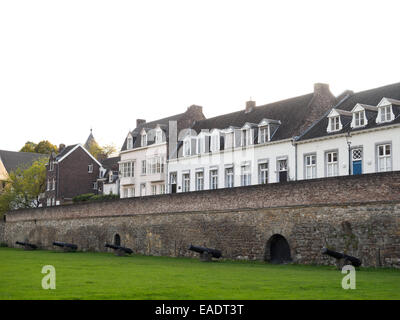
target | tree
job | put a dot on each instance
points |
(44, 147)
(101, 152)
(28, 147)
(24, 186)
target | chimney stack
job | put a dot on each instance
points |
(250, 105)
(139, 122)
(321, 89)
(61, 147)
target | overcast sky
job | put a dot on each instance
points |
(67, 66)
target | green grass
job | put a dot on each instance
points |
(105, 276)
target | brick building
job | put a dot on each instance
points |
(72, 172)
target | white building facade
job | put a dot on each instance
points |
(358, 134)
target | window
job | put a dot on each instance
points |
(359, 119)
(186, 182)
(186, 148)
(54, 184)
(48, 202)
(127, 169)
(282, 170)
(332, 168)
(48, 184)
(246, 137)
(199, 180)
(214, 142)
(334, 123)
(142, 189)
(162, 188)
(213, 179)
(90, 168)
(229, 178)
(263, 134)
(310, 163)
(158, 136)
(144, 168)
(110, 177)
(154, 190)
(94, 185)
(245, 175)
(229, 140)
(51, 166)
(263, 173)
(386, 113)
(129, 143)
(125, 192)
(144, 140)
(384, 157)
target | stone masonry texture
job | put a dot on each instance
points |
(358, 215)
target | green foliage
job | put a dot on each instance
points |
(101, 152)
(24, 186)
(85, 275)
(93, 197)
(44, 147)
(82, 197)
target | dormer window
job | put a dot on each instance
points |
(386, 113)
(263, 134)
(334, 123)
(359, 119)
(158, 136)
(246, 134)
(201, 144)
(51, 166)
(186, 147)
(214, 142)
(129, 142)
(144, 140)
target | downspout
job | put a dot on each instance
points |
(294, 143)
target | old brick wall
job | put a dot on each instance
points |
(358, 214)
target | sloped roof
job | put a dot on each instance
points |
(65, 151)
(111, 163)
(150, 125)
(288, 111)
(370, 97)
(12, 159)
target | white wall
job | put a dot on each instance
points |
(368, 140)
(270, 152)
(137, 155)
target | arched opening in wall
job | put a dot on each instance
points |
(117, 240)
(277, 250)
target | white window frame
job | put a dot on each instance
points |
(143, 139)
(263, 134)
(263, 172)
(199, 180)
(213, 179)
(334, 123)
(386, 159)
(129, 143)
(359, 119)
(229, 177)
(90, 168)
(245, 175)
(54, 184)
(51, 165)
(186, 182)
(332, 166)
(187, 147)
(310, 166)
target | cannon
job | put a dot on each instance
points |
(355, 262)
(27, 245)
(67, 247)
(119, 251)
(206, 253)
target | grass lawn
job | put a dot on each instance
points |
(105, 276)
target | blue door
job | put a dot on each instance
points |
(357, 167)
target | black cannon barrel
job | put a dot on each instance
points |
(65, 245)
(353, 260)
(26, 244)
(113, 246)
(214, 252)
